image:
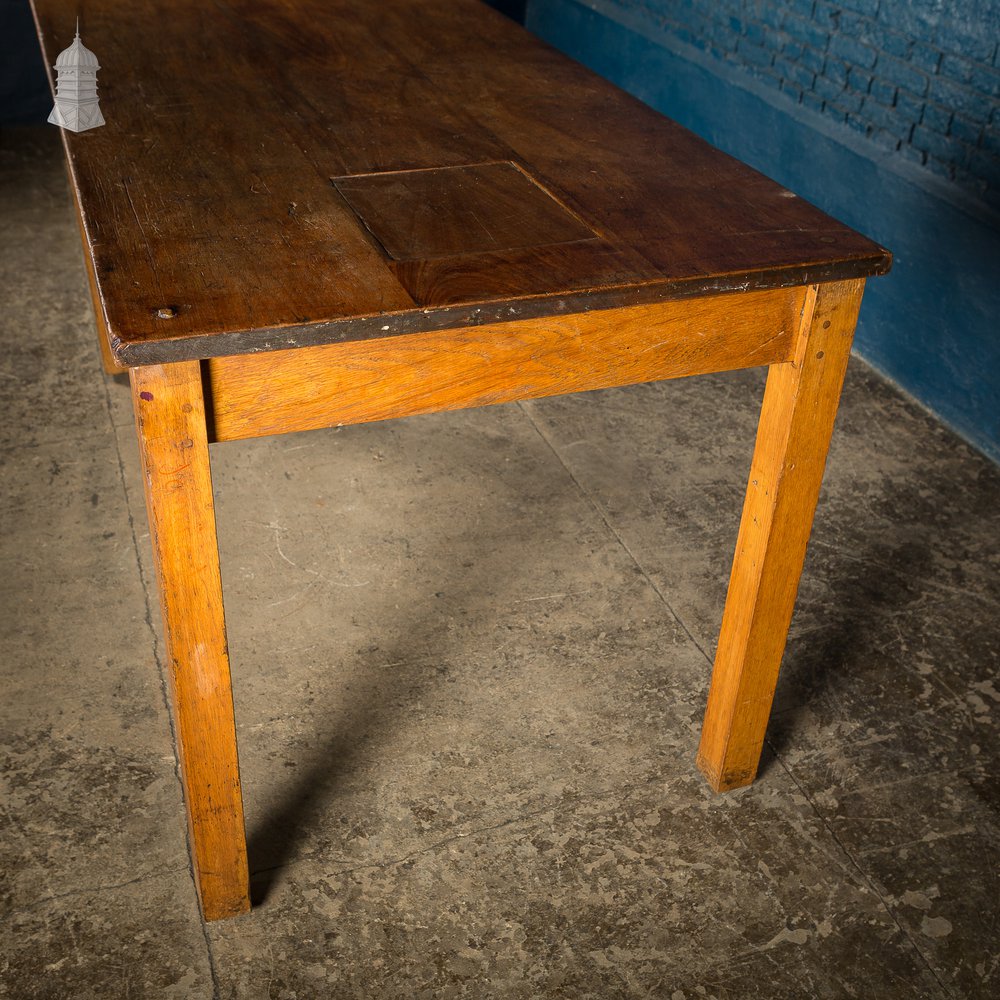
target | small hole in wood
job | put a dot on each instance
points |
(166, 312)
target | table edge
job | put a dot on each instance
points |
(137, 353)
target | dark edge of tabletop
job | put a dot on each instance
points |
(383, 325)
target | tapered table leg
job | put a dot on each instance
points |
(796, 421)
(170, 418)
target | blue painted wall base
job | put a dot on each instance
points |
(933, 324)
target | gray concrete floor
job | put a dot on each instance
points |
(471, 653)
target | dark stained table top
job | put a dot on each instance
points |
(291, 172)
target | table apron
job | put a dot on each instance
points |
(361, 381)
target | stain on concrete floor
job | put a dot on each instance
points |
(471, 653)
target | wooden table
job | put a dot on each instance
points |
(307, 213)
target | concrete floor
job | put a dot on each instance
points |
(471, 653)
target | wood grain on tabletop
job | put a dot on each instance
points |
(217, 208)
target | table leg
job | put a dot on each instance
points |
(170, 418)
(796, 421)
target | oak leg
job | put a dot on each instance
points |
(796, 421)
(170, 418)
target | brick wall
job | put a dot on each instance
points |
(919, 78)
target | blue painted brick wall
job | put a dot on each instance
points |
(919, 78)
